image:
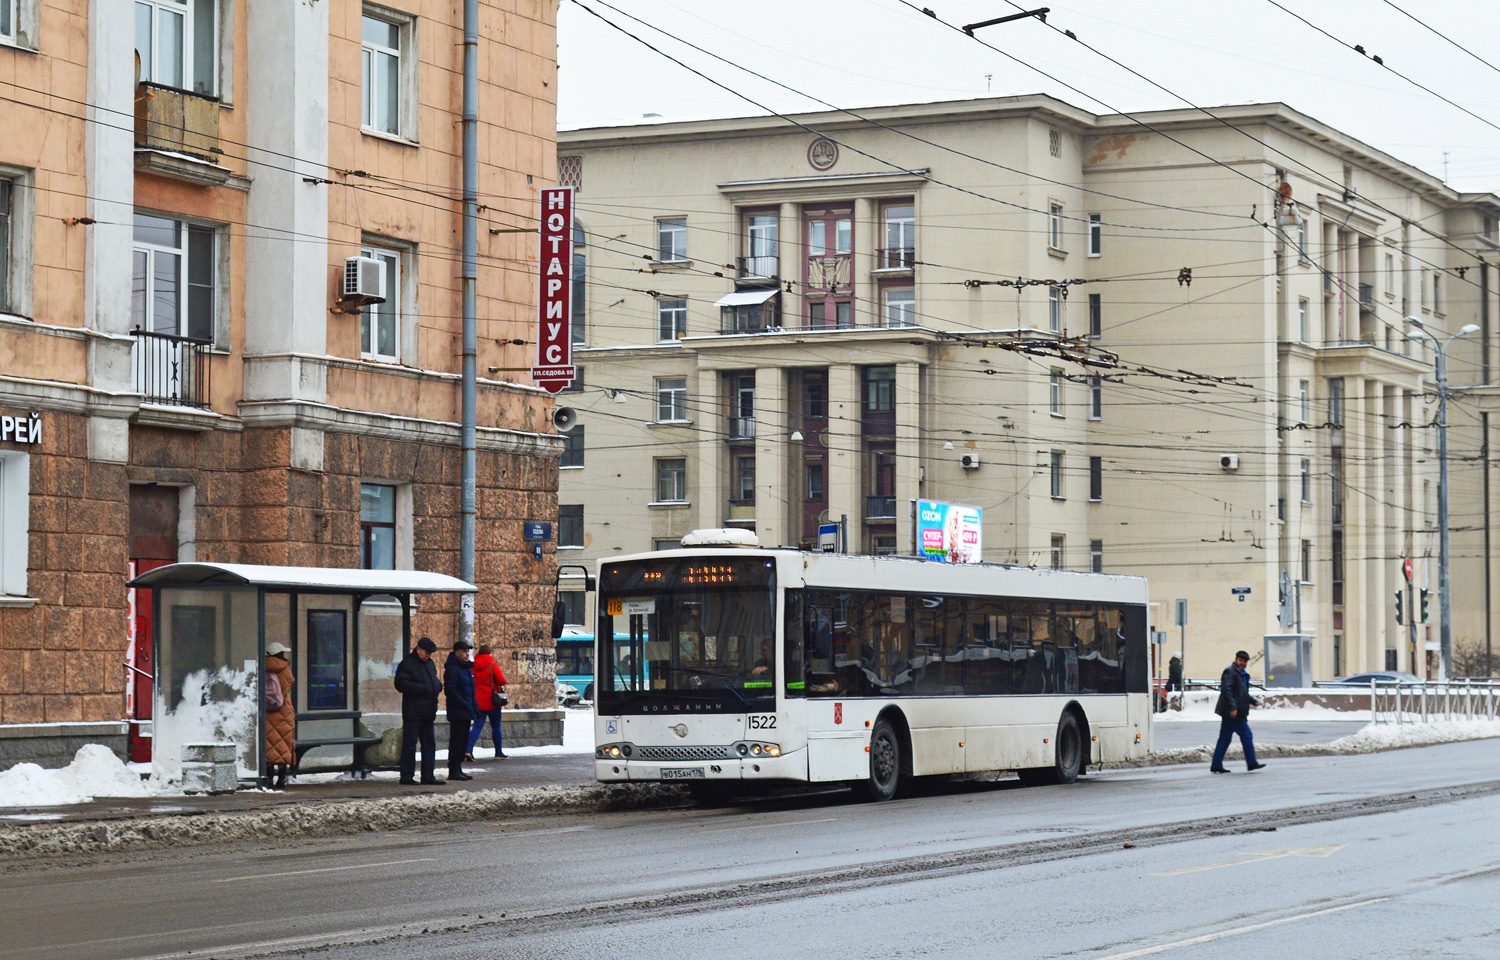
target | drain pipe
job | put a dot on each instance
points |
(470, 332)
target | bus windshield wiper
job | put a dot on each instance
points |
(717, 676)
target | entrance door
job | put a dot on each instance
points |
(153, 543)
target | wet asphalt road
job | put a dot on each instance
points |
(1384, 855)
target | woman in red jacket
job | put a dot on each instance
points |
(489, 690)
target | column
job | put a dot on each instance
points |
(866, 239)
(707, 468)
(773, 499)
(845, 480)
(908, 450)
(1361, 607)
(789, 258)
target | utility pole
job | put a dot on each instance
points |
(469, 424)
(1445, 600)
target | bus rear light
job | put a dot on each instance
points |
(1045, 740)
(867, 723)
(867, 749)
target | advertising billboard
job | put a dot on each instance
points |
(554, 342)
(949, 532)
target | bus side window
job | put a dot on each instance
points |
(796, 682)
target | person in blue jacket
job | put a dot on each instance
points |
(1233, 709)
(463, 707)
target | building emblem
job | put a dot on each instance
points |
(823, 154)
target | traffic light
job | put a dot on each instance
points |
(1400, 606)
(1425, 592)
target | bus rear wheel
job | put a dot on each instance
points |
(1067, 752)
(885, 764)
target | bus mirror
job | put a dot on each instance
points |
(557, 619)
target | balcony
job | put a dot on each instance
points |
(741, 428)
(896, 258)
(880, 508)
(171, 370)
(177, 134)
(1367, 296)
(740, 511)
(757, 269)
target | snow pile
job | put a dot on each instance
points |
(94, 772)
(1198, 706)
(215, 708)
(578, 736)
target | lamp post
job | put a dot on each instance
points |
(1440, 369)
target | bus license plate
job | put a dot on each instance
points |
(684, 773)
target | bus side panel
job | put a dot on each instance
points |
(833, 758)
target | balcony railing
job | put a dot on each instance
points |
(176, 121)
(741, 510)
(896, 258)
(880, 508)
(741, 428)
(756, 268)
(1367, 296)
(170, 369)
(751, 317)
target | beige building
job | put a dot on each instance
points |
(182, 186)
(1171, 346)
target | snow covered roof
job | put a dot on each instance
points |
(333, 579)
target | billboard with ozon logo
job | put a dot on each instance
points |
(554, 343)
(949, 532)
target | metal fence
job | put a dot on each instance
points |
(1433, 700)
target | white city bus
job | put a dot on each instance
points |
(728, 667)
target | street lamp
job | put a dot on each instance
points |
(1440, 368)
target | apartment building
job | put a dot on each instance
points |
(1170, 346)
(182, 375)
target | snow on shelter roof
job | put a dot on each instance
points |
(332, 579)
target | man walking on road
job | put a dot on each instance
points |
(1233, 709)
(417, 681)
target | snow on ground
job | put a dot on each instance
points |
(94, 772)
(1198, 706)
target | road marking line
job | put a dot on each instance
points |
(1210, 937)
(298, 873)
(1326, 851)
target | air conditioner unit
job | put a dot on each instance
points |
(364, 280)
(969, 461)
(1229, 461)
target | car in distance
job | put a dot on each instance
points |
(1379, 676)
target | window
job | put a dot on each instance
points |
(15, 521)
(671, 399)
(880, 389)
(572, 455)
(1055, 226)
(580, 278)
(1054, 142)
(380, 323)
(760, 245)
(1057, 551)
(671, 480)
(11, 268)
(670, 544)
(1054, 393)
(1055, 309)
(1422, 289)
(574, 607)
(744, 479)
(1302, 319)
(1096, 315)
(815, 399)
(1390, 275)
(1306, 477)
(883, 545)
(8, 16)
(1096, 556)
(671, 239)
(901, 307)
(900, 237)
(176, 41)
(1437, 292)
(671, 319)
(1057, 475)
(1096, 398)
(815, 481)
(377, 526)
(1306, 575)
(1336, 400)
(1303, 412)
(570, 525)
(1302, 242)
(1096, 234)
(172, 289)
(388, 73)
(577, 385)
(1096, 478)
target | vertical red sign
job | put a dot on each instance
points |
(554, 341)
(838, 713)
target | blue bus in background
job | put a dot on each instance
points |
(575, 666)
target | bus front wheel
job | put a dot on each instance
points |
(1068, 755)
(885, 764)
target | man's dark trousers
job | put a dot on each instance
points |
(458, 743)
(411, 731)
(1228, 727)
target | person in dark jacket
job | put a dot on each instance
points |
(458, 690)
(417, 681)
(1233, 709)
(1174, 673)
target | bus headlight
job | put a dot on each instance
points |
(742, 749)
(750, 748)
(611, 751)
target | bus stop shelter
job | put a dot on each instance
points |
(211, 623)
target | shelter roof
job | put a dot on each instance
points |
(327, 579)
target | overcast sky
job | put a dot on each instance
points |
(855, 53)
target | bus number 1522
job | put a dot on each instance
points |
(762, 721)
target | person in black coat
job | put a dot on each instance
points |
(417, 682)
(463, 706)
(1233, 709)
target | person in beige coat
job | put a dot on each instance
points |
(281, 722)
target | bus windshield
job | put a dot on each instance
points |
(687, 634)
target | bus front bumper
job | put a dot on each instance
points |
(788, 766)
